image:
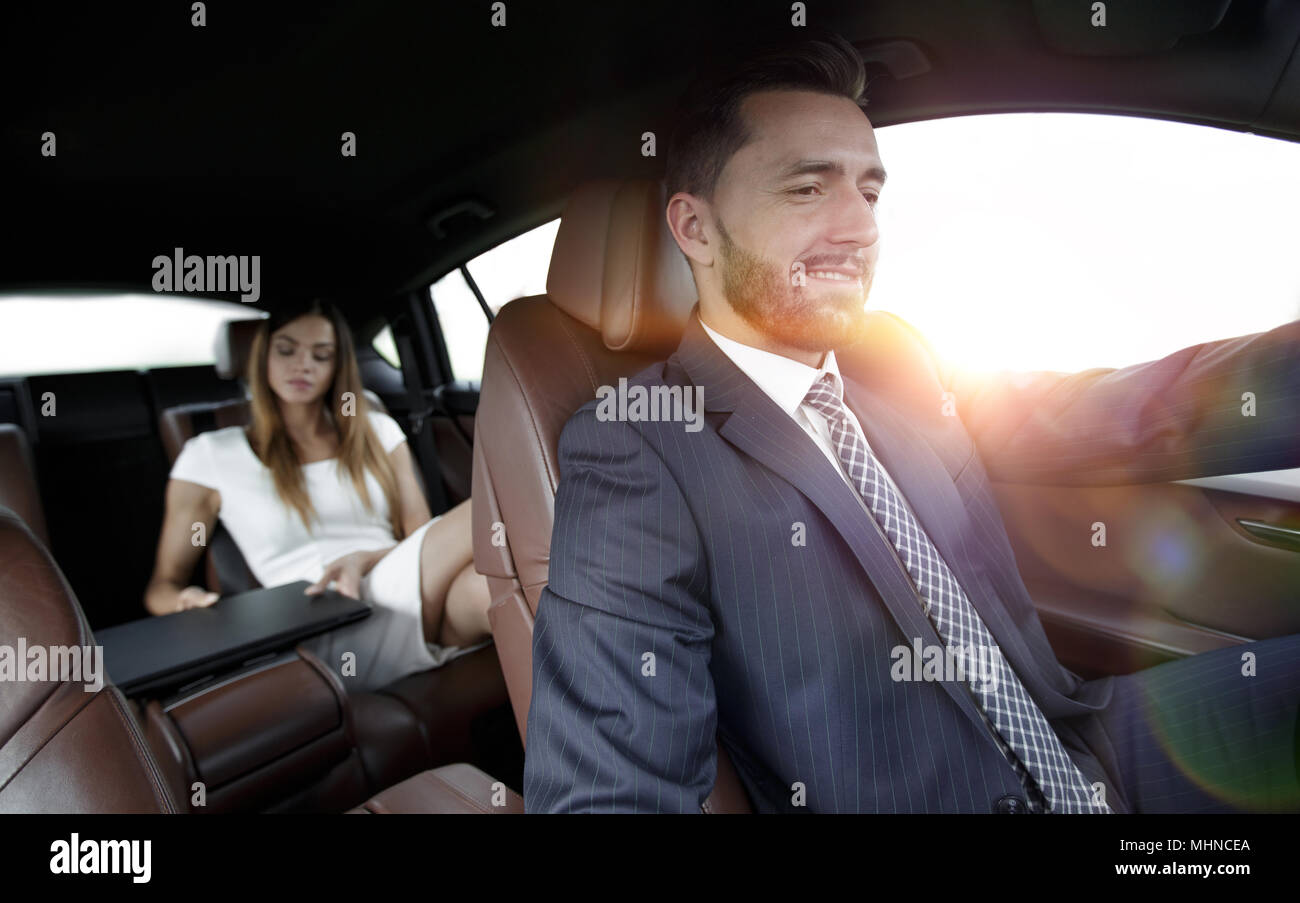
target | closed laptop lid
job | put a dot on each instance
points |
(166, 650)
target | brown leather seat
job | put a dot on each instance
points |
(618, 295)
(72, 751)
(18, 488)
(66, 750)
(178, 424)
(454, 789)
(62, 749)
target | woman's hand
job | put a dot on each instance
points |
(195, 597)
(346, 573)
(188, 505)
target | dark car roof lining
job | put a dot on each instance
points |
(224, 140)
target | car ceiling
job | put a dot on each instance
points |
(225, 139)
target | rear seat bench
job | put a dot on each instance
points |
(426, 718)
(78, 752)
(336, 747)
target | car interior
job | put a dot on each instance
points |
(236, 151)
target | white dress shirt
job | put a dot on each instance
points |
(787, 383)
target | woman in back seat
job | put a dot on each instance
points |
(321, 488)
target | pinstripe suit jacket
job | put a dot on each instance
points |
(682, 611)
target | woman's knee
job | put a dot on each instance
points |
(465, 619)
(449, 537)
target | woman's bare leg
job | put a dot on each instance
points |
(465, 618)
(454, 596)
(447, 548)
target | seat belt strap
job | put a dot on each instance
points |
(419, 428)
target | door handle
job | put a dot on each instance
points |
(1283, 537)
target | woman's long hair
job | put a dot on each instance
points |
(359, 447)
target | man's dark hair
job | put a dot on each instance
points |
(709, 128)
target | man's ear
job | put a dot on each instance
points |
(690, 219)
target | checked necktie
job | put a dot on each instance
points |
(1039, 759)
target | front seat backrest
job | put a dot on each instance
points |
(62, 748)
(619, 293)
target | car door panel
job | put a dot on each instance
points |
(1176, 575)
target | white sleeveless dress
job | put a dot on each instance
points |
(279, 549)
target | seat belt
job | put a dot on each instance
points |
(426, 448)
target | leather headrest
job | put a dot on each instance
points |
(617, 268)
(233, 345)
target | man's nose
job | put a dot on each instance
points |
(855, 220)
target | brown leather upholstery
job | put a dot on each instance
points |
(616, 268)
(231, 349)
(459, 788)
(233, 343)
(285, 736)
(618, 296)
(62, 749)
(179, 424)
(18, 488)
(277, 737)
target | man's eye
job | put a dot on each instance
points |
(872, 198)
(806, 188)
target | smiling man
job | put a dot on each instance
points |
(752, 582)
(792, 272)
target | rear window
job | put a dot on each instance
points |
(78, 332)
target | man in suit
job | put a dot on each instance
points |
(797, 576)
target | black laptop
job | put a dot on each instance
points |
(168, 651)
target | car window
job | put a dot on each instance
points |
(386, 347)
(1068, 241)
(513, 269)
(464, 325)
(79, 332)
